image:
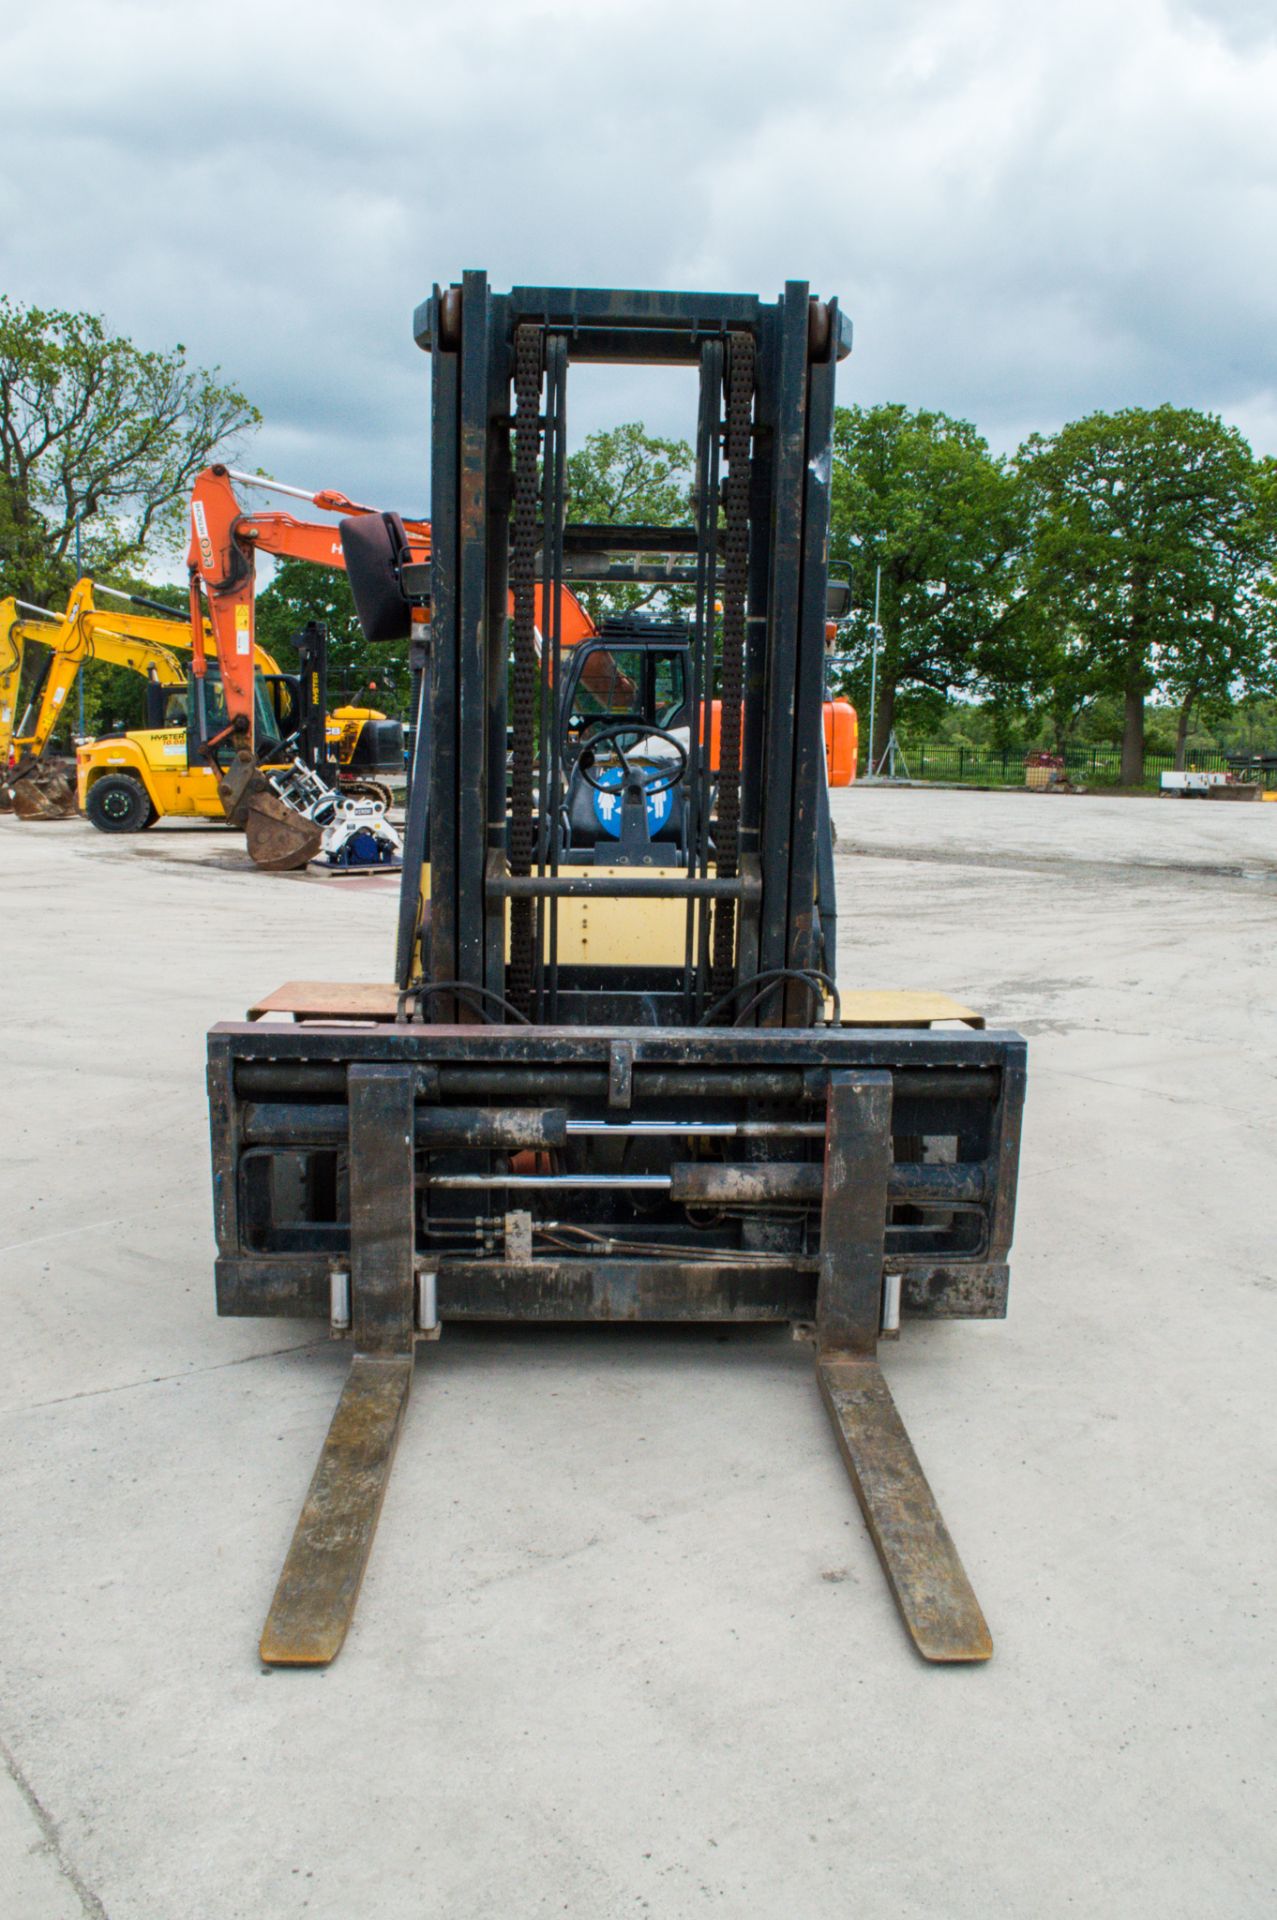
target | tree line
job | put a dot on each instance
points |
(1128, 558)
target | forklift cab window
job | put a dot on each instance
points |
(669, 689)
(216, 717)
(615, 682)
(282, 694)
(610, 685)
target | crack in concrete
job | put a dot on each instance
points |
(52, 1838)
(62, 1233)
(161, 1379)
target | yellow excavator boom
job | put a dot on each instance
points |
(15, 631)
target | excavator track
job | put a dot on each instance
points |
(367, 790)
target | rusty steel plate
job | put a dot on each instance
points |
(903, 1007)
(329, 1000)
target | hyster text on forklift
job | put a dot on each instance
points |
(615, 1078)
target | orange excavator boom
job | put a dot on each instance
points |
(224, 542)
(222, 561)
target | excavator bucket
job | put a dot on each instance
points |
(41, 790)
(279, 839)
(237, 786)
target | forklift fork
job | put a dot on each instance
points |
(918, 1556)
(319, 1585)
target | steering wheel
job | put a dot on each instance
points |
(652, 779)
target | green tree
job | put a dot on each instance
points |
(919, 496)
(625, 476)
(99, 434)
(1153, 538)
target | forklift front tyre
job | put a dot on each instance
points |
(119, 804)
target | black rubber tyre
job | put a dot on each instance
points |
(119, 804)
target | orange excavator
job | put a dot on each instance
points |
(225, 540)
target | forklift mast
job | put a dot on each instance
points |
(312, 685)
(616, 1078)
(748, 884)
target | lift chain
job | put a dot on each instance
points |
(740, 400)
(528, 341)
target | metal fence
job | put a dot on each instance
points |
(1086, 766)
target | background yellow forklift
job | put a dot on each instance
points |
(170, 770)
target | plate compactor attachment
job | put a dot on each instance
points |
(42, 789)
(620, 1086)
(290, 817)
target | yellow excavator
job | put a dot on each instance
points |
(13, 636)
(37, 784)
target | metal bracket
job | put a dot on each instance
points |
(620, 1074)
(919, 1558)
(854, 1211)
(322, 1574)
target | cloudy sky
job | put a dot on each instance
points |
(1029, 211)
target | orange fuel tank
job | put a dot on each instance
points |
(842, 742)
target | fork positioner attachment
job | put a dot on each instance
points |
(623, 1092)
(324, 1211)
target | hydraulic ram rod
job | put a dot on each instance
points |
(710, 1183)
(505, 1130)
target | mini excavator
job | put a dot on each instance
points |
(615, 1077)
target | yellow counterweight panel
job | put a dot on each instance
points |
(619, 933)
(608, 933)
(163, 748)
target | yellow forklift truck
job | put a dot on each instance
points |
(614, 1077)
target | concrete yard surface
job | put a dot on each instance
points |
(624, 1648)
